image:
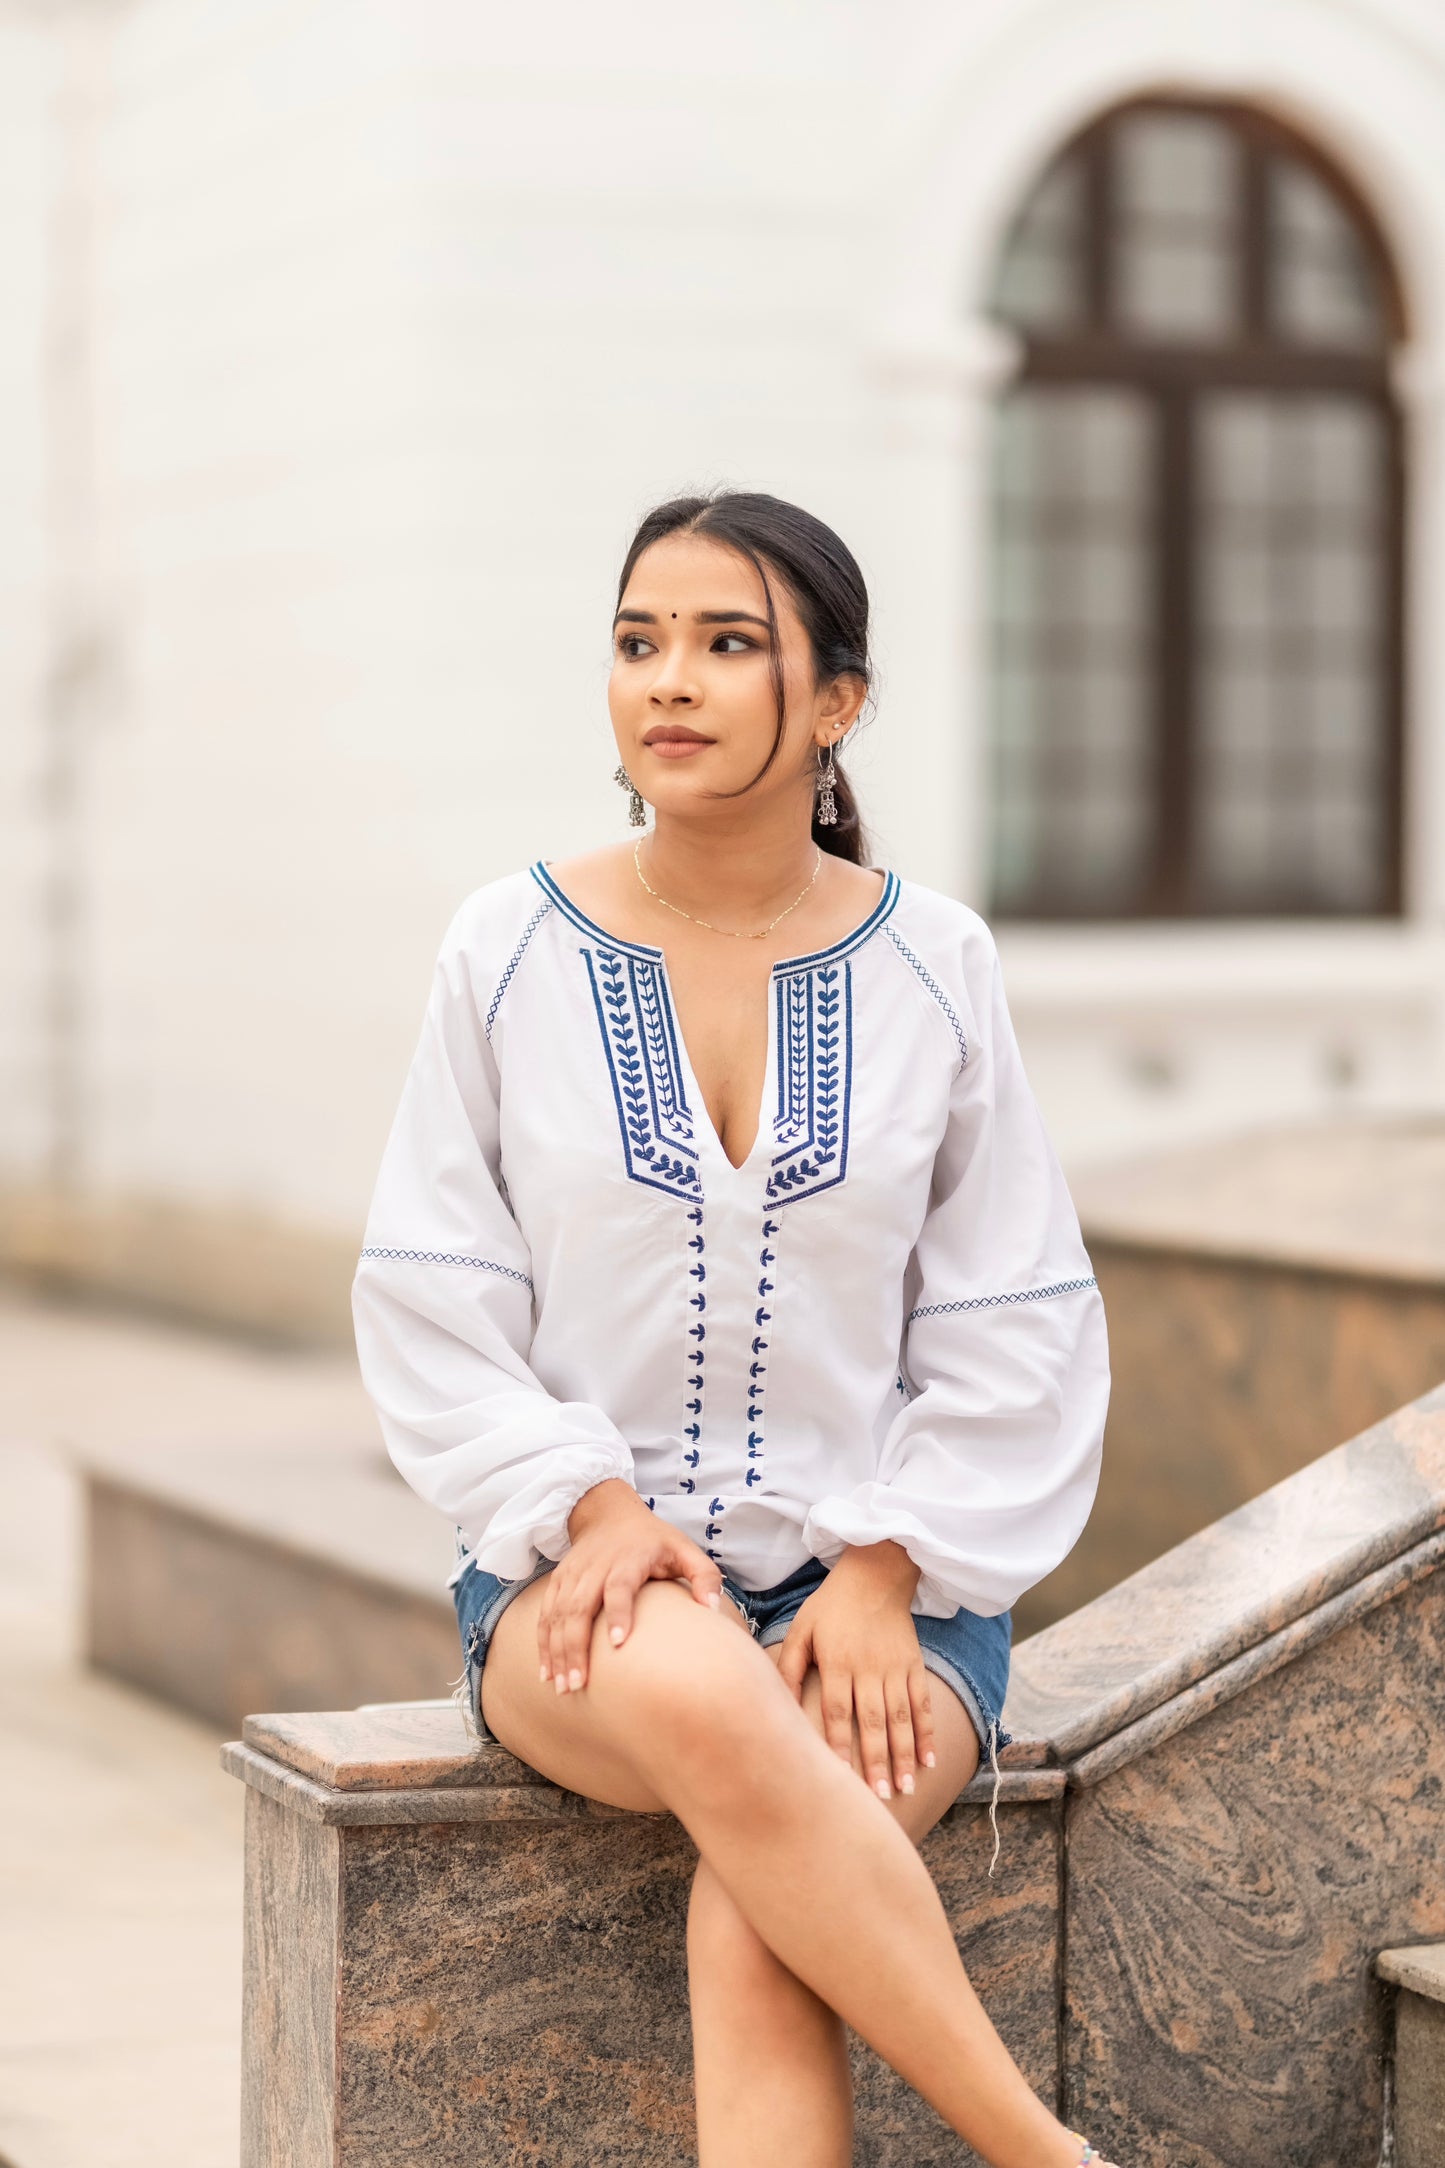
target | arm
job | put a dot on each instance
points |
(442, 1303)
(988, 1475)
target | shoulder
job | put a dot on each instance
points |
(487, 924)
(947, 936)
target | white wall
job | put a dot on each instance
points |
(29, 68)
(401, 314)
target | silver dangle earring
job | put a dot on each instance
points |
(636, 811)
(826, 811)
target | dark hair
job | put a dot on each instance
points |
(821, 575)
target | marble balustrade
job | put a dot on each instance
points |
(1225, 1796)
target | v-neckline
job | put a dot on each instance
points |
(782, 967)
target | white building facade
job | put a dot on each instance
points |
(344, 346)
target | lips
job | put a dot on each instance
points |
(676, 745)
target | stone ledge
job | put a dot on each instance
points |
(1419, 1966)
(1233, 1585)
(416, 1762)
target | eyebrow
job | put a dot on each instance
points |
(700, 617)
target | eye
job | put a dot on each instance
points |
(629, 642)
(744, 643)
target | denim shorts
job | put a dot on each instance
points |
(969, 1653)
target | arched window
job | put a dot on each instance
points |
(1197, 503)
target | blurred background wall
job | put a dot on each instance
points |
(342, 346)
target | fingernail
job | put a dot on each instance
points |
(930, 1761)
(560, 1683)
(905, 1784)
(616, 1635)
(713, 1601)
(544, 1674)
(574, 1680)
(881, 1788)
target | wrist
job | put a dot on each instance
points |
(601, 1502)
(885, 1567)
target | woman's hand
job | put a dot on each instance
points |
(858, 1629)
(617, 1544)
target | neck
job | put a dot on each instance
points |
(742, 877)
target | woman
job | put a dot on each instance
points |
(720, 1276)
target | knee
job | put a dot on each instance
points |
(708, 1717)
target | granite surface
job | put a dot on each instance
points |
(1257, 1662)
(1419, 2060)
(1228, 1892)
(289, 1989)
(1230, 1585)
(520, 1995)
(1228, 1376)
(377, 1761)
(402, 1746)
(1418, 1966)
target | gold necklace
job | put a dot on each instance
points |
(637, 846)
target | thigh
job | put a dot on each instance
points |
(955, 1742)
(574, 1738)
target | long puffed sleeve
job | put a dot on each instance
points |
(988, 1473)
(442, 1303)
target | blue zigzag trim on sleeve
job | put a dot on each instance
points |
(996, 1302)
(514, 959)
(445, 1257)
(934, 988)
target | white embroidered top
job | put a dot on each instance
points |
(883, 1324)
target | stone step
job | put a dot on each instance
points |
(226, 1581)
(1417, 2122)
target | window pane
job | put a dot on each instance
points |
(1040, 283)
(1176, 184)
(1291, 809)
(1073, 773)
(1324, 287)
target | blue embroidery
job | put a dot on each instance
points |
(444, 1257)
(640, 1040)
(994, 1302)
(513, 960)
(694, 1353)
(757, 1368)
(815, 1081)
(934, 988)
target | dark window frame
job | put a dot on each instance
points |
(1173, 374)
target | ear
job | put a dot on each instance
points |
(838, 708)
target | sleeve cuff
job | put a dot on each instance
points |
(516, 1544)
(836, 1524)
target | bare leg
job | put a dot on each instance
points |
(771, 2059)
(690, 1714)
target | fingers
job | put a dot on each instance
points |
(795, 1658)
(706, 1582)
(873, 1734)
(836, 1709)
(902, 1739)
(619, 1593)
(564, 1631)
(921, 1701)
(894, 1719)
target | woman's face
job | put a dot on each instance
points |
(690, 663)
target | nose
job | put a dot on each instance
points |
(673, 684)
